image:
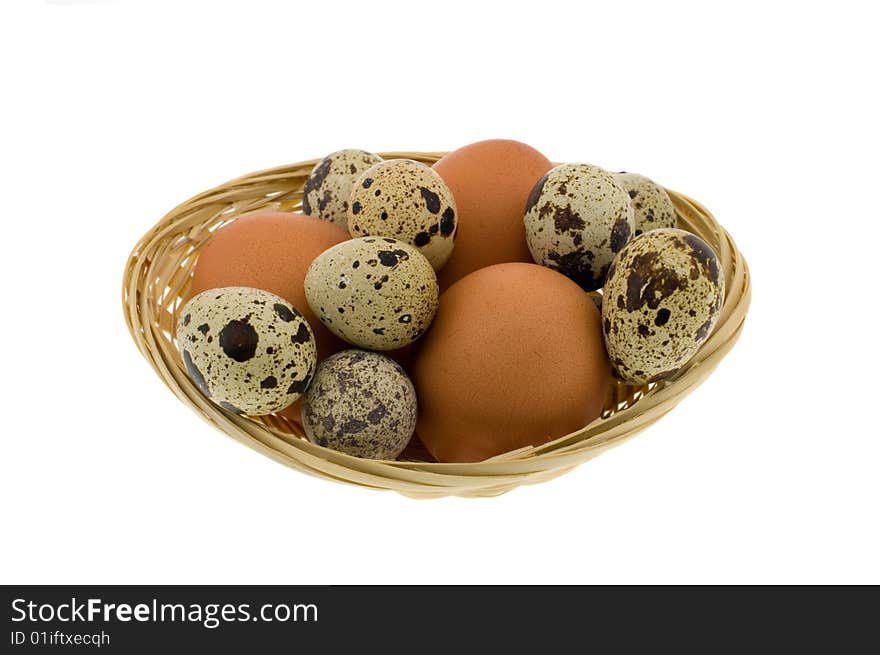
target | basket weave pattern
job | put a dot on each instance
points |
(157, 276)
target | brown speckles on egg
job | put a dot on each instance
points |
(360, 403)
(387, 303)
(447, 223)
(392, 257)
(652, 206)
(238, 340)
(703, 331)
(620, 234)
(649, 281)
(264, 354)
(432, 200)
(283, 312)
(535, 194)
(408, 201)
(669, 291)
(578, 266)
(195, 374)
(577, 217)
(327, 190)
(565, 219)
(298, 387)
(302, 335)
(704, 256)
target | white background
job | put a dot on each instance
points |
(113, 112)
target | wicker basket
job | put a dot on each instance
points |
(158, 273)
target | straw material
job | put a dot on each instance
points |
(157, 276)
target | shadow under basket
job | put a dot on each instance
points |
(158, 273)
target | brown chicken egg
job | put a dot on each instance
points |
(514, 358)
(491, 181)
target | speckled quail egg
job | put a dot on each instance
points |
(408, 201)
(664, 293)
(246, 349)
(374, 292)
(651, 204)
(360, 403)
(577, 217)
(328, 187)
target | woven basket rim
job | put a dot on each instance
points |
(157, 275)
